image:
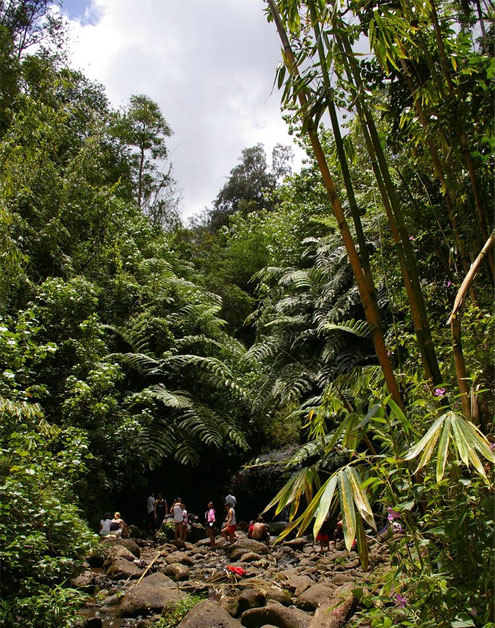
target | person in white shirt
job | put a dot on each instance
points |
(150, 509)
(176, 510)
(105, 524)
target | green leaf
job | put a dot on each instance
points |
(325, 502)
(432, 433)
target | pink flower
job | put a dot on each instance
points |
(449, 283)
(439, 392)
(392, 514)
(400, 600)
(412, 238)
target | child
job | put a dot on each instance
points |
(323, 535)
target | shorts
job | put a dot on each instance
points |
(232, 529)
(324, 538)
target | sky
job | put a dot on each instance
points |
(209, 64)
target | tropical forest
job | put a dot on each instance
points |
(319, 341)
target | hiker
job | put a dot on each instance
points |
(161, 508)
(150, 511)
(185, 522)
(176, 510)
(323, 536)
(228, 531)
(210, 517)
(338, 533)
(105, 524)
(230, 499)
(261, 531)
(118, 526)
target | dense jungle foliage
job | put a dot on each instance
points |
(343, 313)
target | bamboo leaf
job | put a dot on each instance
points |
(362, 545)
(399, 414)
(347, 509)
(443, 447)
(325, 502)
(360, 498)
(460, 443)
(431, 433)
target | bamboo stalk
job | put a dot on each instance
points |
(370, 309)
(455, 325)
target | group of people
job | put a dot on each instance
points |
(157, 509)
(115, 527)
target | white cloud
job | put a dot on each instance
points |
(210, 65)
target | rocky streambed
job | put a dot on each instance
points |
(134, 583)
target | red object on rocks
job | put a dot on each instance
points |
(238, 570)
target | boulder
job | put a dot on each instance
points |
(314, 596)
(296, 544)
(249, 557)
(276, 615)
(250, 598)
(121, 568)
(179, 557)
(153, 593)
(208, 614)
(243, 546)
(279, 595)
(177, 571)
(129, 544)
(84, 581)
(297, 582)
(335, 612)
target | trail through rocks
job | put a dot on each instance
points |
(134, 583)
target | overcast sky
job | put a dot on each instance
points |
(209, 64)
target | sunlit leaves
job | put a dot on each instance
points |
(466, 438)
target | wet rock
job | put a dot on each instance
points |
(111, 600)
(314, 596)
(297, 582)
(208, 614)
(249, 557)
(153, 593)
(277, 615)
(177, 571)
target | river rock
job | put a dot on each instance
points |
(314, 596)
(279, 595)
(153, 593)
(296, 544)
(296, 582)
(84, 581)
(129, 544)
(177, 571)
(179, 557)
(335, 612)
(243, 546)
(250, 598)
(121, 568)
(208, 614)
(277, 615)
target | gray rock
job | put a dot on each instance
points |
(206, 614)
(296, 582)
(314, 596)
(153, 593)
(249, 557)
(277, 615)
(296, 544)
